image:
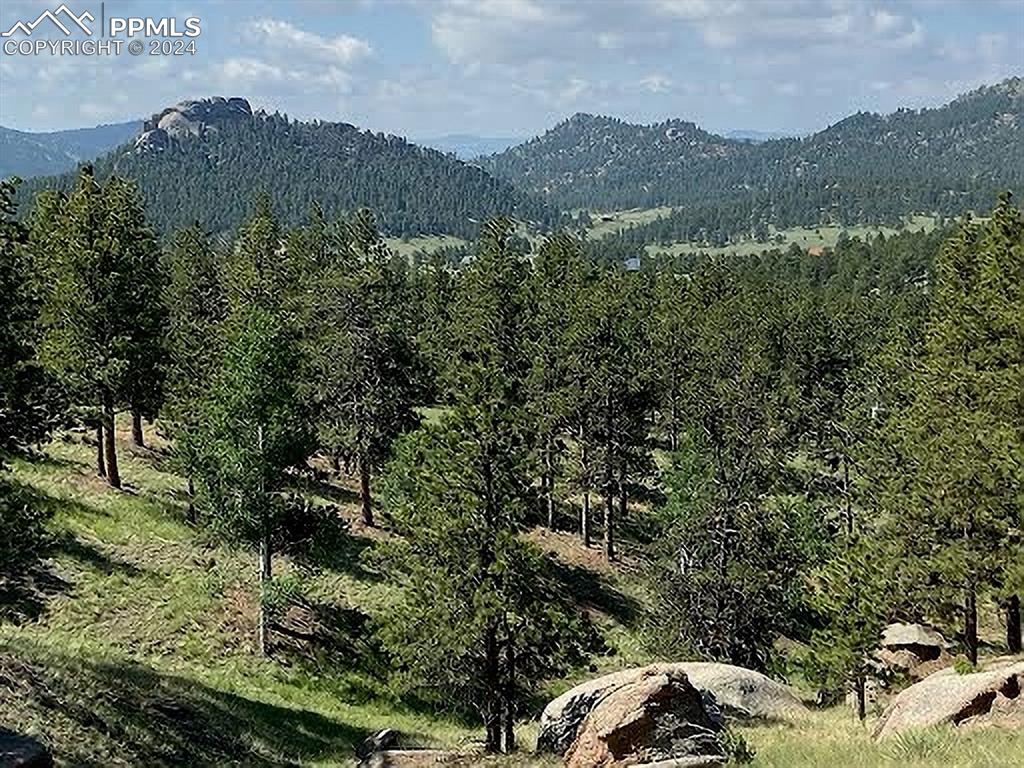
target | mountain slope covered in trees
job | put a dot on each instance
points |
(206, 160)
(28, 154)
(868, 167)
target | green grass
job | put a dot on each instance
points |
(835, 738)
(132, 643)
(805, 237)
(405, 246)
(609, 222)
(133, 616)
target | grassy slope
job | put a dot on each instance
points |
(806, 237)
(133, 644)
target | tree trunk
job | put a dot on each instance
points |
(101, 465)
(1013, 638)
(492, 707)
(549, 485)
(623, 496)
(585, 519)
(585, 510)
(971, 622)
(848, 498)
(673, 430)
(609, 508)
(364, 491)
(266, 574)
(137, 436)
(609, 514)
(109, 446)
(510, 696)
(860, 687)
(190, 513)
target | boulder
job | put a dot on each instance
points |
(740, 692)
(657, 718)
(992, 696)
(915, 649)
(17, 751)
(378, 742)
(563, 715)
(743, 693)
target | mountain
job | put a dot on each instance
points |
(206, 160)
(467, 146)
(28, 154)
(866, 167)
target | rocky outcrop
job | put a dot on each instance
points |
(737, 691)
(17, 751)
(189, 119)
(992, 696)
(657, 717)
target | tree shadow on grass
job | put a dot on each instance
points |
(32, 578)
(320, 486)
(590, 590)
(96, 714)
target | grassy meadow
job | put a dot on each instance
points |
(608, 223)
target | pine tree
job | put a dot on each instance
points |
(962, 434)
(101, 314)
(363, 372)
(459, 493)
(197, 310)
(852, 593)
(30, 403)
(479, 625)
(251, 430)
(611, 389)
(558, 278)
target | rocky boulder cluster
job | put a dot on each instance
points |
(190, 118)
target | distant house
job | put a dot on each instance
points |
(816, 250)
(632, 264)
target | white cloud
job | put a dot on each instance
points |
(343, 49)
(248, 71)
(656, 83)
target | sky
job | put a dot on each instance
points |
(425, 68)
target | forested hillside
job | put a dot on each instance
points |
(386, 490)
(866, 168)
(207, 163)
(26, 154)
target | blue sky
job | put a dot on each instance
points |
(515, 67)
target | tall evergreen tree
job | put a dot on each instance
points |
(459, 493)
(102, 311)
(363, 372)
(557, 281)
(612, 389)
(196, 303)
(962, 434)
(251, 430)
